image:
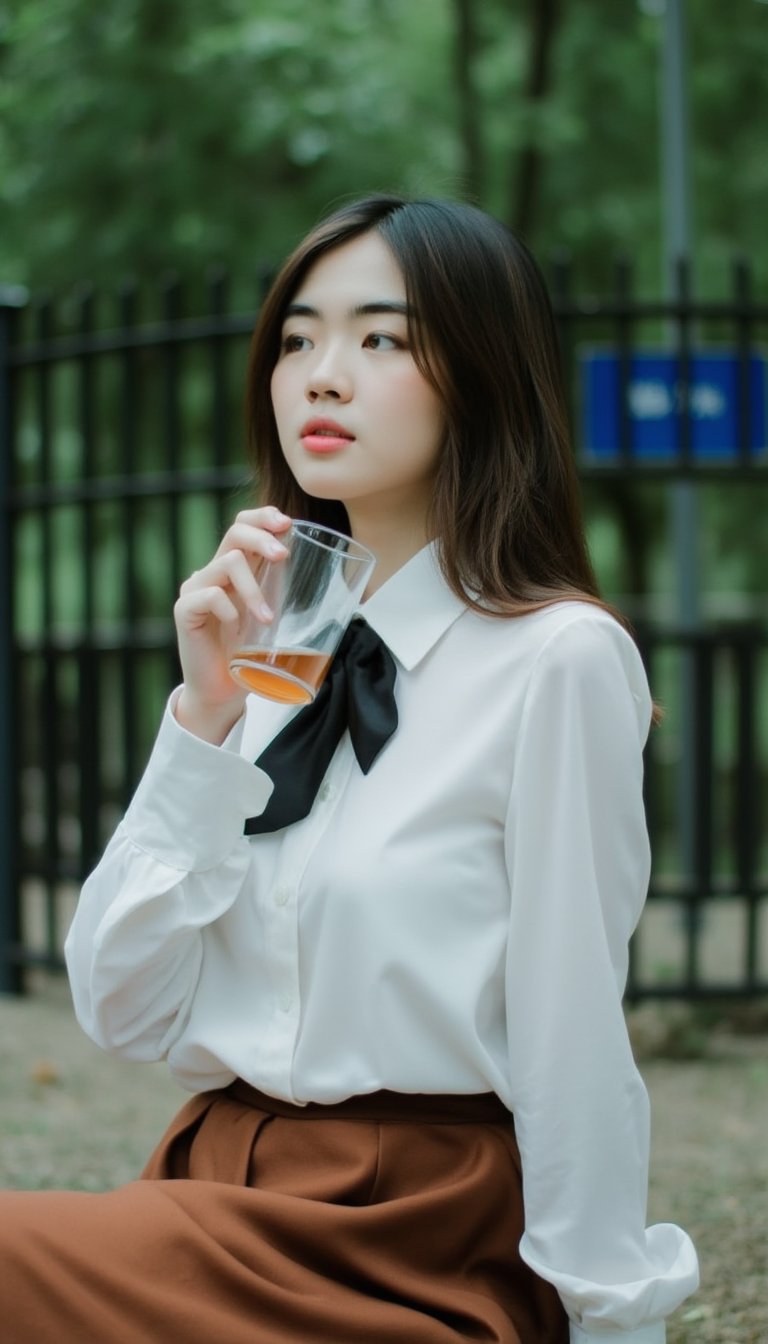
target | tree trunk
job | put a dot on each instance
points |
(466, 45)
(544, 18)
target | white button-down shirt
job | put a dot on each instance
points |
(455, 921)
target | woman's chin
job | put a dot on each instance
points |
(319, 483)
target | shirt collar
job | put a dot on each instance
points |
(413, 608)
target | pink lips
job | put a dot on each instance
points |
(325, 436)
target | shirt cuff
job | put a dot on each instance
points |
(193, 800)
(655, 1333)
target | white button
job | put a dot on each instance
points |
(326, 792)
(282, 894)
(286, 1003)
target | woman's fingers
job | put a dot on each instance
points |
(253, 532)
(267, 516)
(245, 546)
(209, 611)
(214, 600)
(232, 573)
(252, 541)
(194, 608)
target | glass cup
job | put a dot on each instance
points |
(313, 594)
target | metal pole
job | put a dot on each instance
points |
(677, 246)
(678, 242)
(11, 981)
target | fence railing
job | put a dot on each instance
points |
(122, 459)
(705, 930)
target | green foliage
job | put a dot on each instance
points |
(143, 137)
(146, 137)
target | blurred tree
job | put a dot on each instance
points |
(145, 136)
(142, 136)
(469, 105)
(571, 101)
(545, 17)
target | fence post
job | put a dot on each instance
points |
(12, 297)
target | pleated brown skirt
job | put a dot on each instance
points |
(382, 1220)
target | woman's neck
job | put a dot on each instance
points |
(393, 541)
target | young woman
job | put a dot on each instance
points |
(416, 1116)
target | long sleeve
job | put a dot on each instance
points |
(174, 866)
(578, 861)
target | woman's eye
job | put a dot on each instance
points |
(379, 341)
(293, 341)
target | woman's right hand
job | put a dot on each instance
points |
(211, 603)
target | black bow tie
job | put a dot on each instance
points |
(358, 693)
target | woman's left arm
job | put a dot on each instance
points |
(578, 861)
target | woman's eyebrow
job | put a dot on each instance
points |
(382, 306)
(360, 310)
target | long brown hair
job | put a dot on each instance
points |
(506, 503)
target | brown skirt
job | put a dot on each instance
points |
(386, 1220)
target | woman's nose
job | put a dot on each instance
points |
(329, 379)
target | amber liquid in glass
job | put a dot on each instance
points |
(291, 676)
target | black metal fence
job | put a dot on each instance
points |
(122, 459)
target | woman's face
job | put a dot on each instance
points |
(357, 421)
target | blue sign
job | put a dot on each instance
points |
(654, 398)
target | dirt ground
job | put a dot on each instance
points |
(73, 1117)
